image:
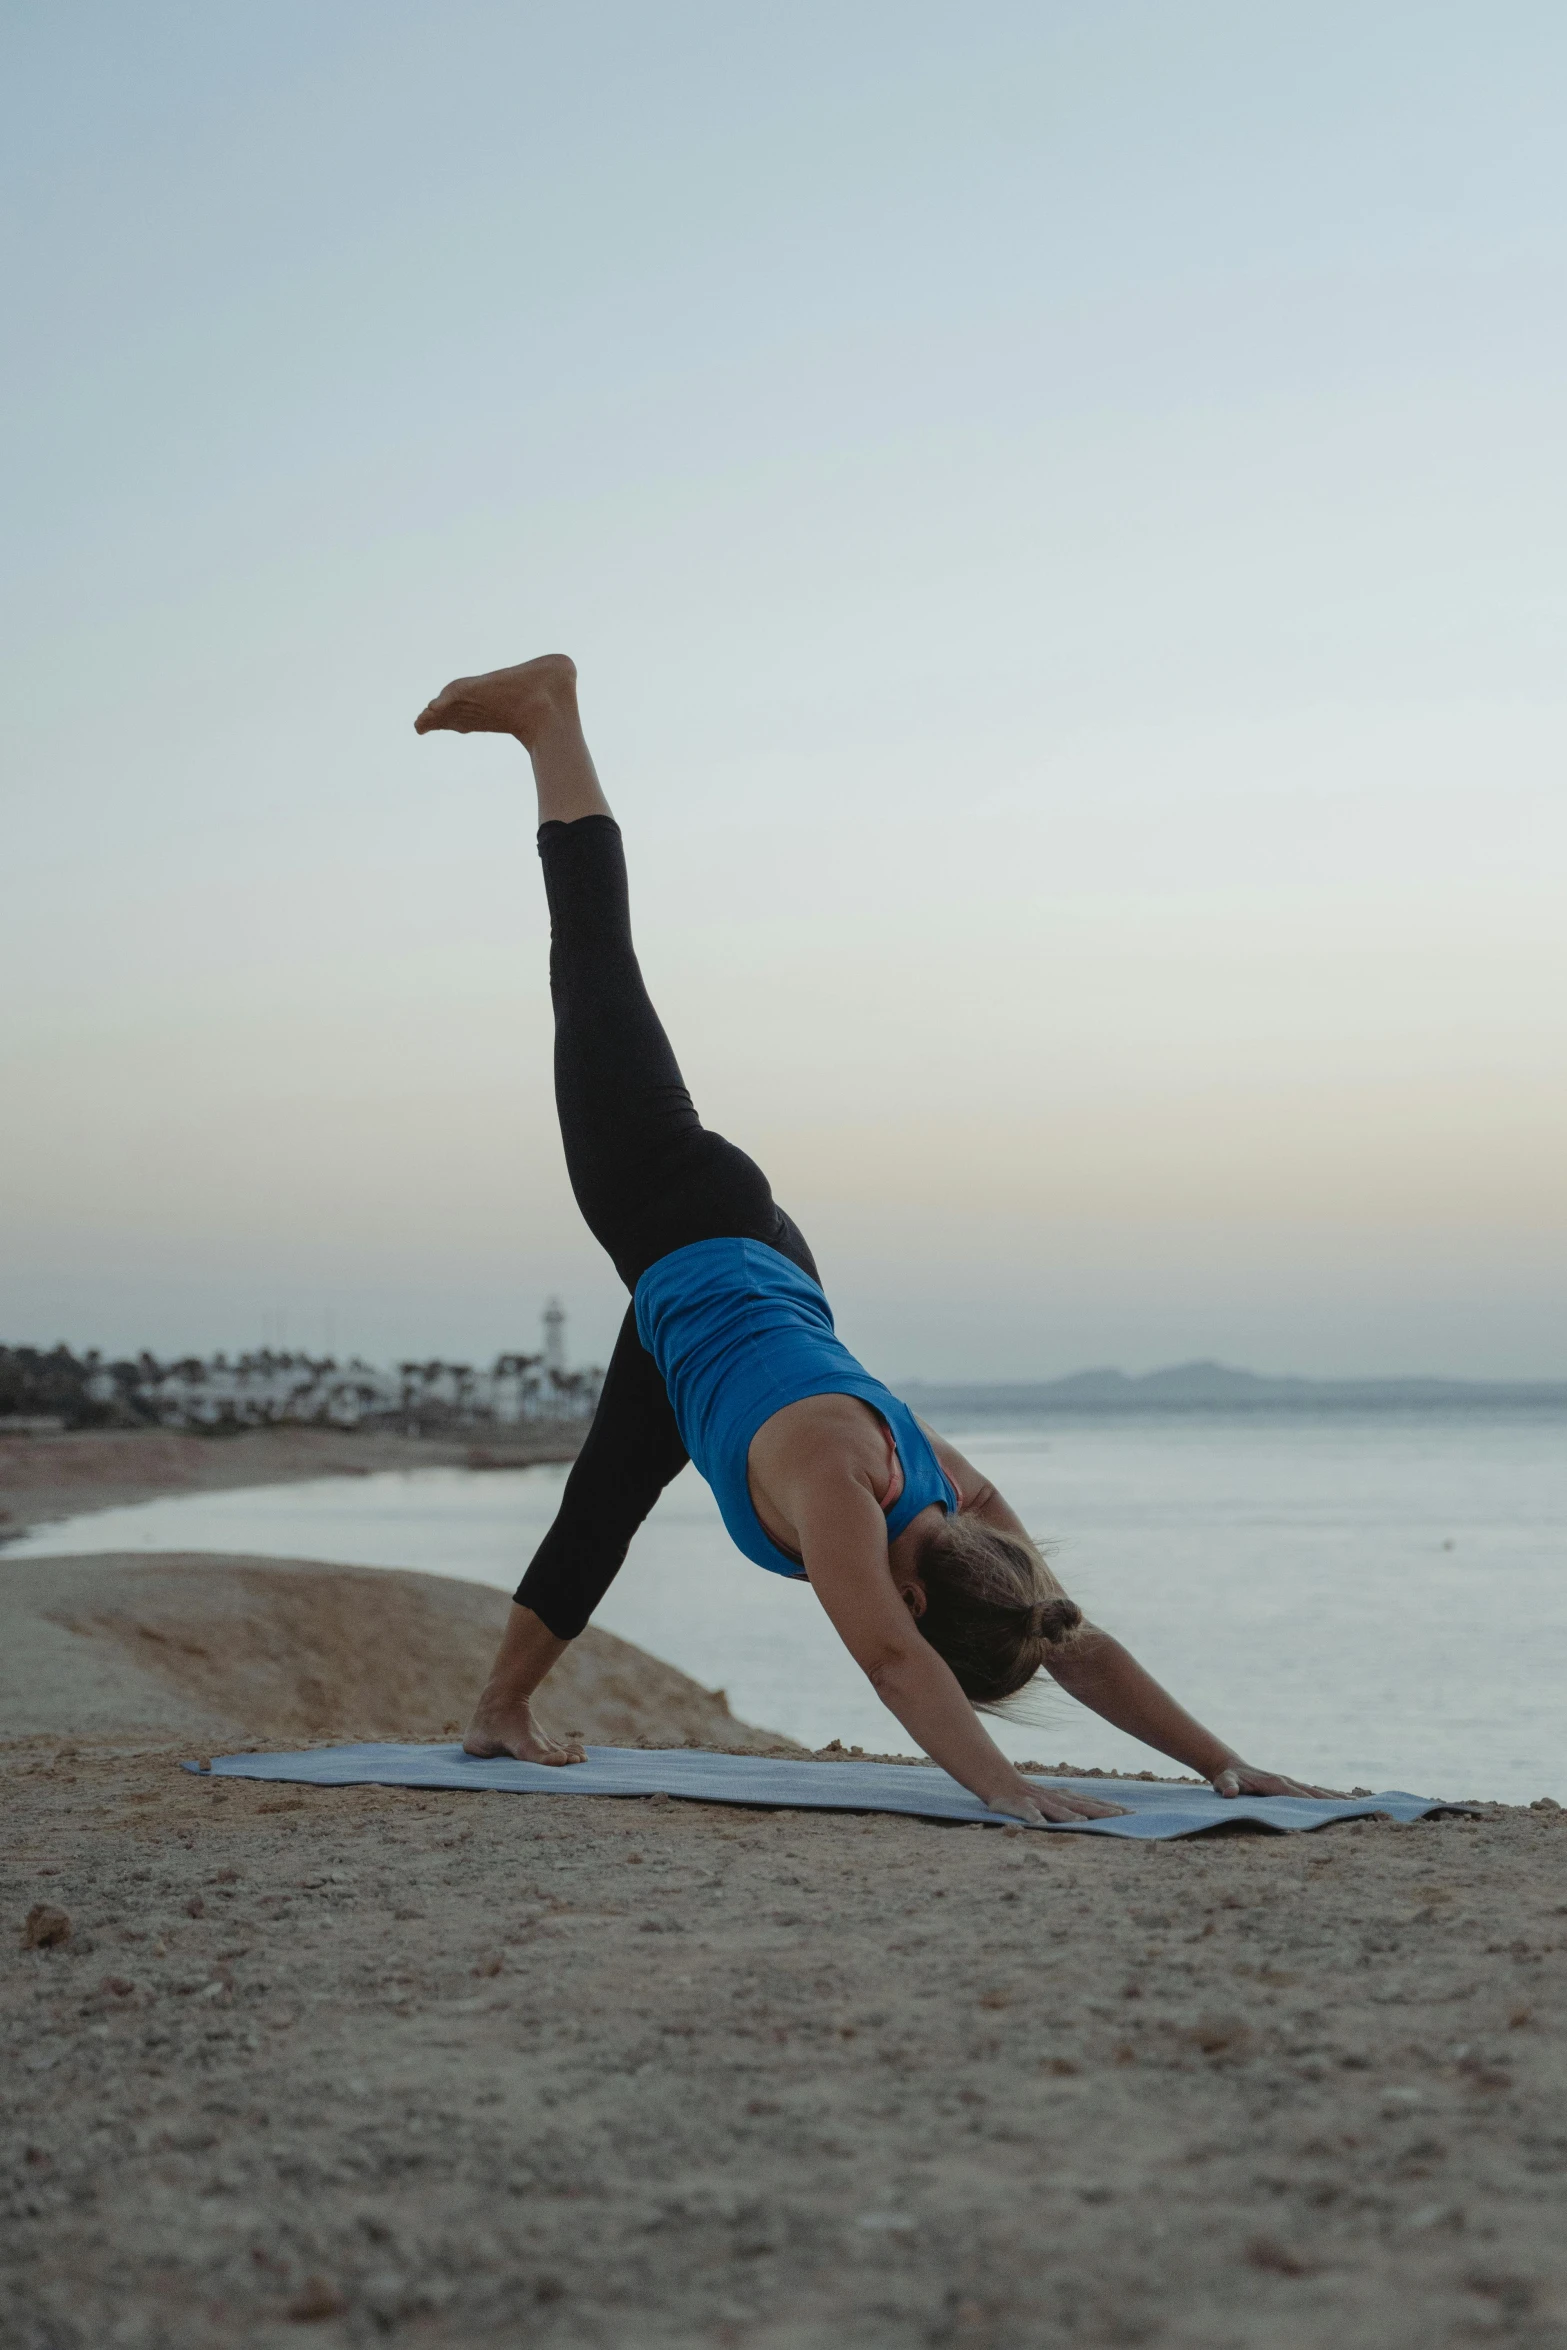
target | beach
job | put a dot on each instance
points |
(457, 2068)
(454, 2068)
(795, 771)
(1305, 1581)
(48, 1477)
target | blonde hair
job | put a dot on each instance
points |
(993, 1609)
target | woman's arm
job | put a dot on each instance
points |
(843, 1541)
(1099, 1672)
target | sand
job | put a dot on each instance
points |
(465, 2069)
(45, 1478)
(236, 1653)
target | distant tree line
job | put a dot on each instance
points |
(54, 1384)
(270, 1388)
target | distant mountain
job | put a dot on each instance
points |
(1211, 1386)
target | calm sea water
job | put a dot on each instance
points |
(1373, 1599)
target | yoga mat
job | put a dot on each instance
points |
(783, 1784)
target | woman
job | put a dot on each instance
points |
(728, 1356)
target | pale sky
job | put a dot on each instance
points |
(1059, 511)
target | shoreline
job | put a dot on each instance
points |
(46, 1478)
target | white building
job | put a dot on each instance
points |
(267, 1389)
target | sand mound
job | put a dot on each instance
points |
(237, 1652)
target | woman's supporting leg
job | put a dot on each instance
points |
(629, 1455)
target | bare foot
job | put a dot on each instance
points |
(519, 701)
(504, 1724)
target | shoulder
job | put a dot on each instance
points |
(823, 1440)
(973, 1489)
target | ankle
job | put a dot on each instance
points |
(546, 717)
(551, 723)
(507, 1688)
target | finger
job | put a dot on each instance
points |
(1227, 1783)
(1031, 1815)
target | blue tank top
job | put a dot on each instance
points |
(737, 1332)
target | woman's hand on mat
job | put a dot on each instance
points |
(1242, 1778)
(1042, 1805)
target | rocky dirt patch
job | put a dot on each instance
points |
(368, 2065)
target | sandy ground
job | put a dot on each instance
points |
(233, 1654)
(45, 1478)
(474, 2069)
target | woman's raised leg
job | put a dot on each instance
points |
(648, 1176)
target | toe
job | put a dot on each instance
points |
(441, 710)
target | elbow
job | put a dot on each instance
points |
(886, 1671)
(1080, 1659)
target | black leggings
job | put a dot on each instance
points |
(648, 1177)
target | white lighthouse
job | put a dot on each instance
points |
(555, 1339)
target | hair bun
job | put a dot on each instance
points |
(1053, 1619)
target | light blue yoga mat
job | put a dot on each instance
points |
(784, 1784)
